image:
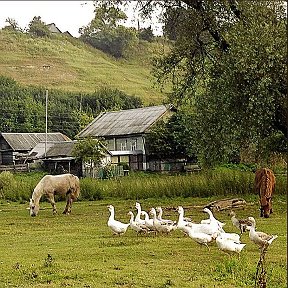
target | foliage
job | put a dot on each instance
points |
(146, 34)
(89, 150)
(220, 182)
(38, 28)
(244, 100)
(106, 34)
(172, 138)
(15, 187)
(235, 80)
(23, 107)
(13, 25)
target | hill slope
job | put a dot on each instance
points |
(68, 64)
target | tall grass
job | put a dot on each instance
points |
(223, 182)
(205, 184)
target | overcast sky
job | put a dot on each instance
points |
(67, 15)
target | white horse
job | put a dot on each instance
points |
(49, 185)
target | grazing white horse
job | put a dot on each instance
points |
(49, 185)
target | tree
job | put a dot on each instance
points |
(89, 150)
(13, 25)
(105, 33)
(229, 61)
(146, 34)
(244, 104)
(38, 28)
(172, 139)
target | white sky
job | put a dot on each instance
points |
(67, 15)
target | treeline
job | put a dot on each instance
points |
(23, 108)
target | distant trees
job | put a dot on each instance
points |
(38, 28)
(146, 34)
(13, 25)
(105, 33)
(22, 109)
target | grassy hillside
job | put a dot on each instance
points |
(74, 66)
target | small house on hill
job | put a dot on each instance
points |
(124, 132)
(15, 147)
(53, 28)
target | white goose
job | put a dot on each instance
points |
(117, 227)
(212, 220)
(241, 224)
(136, 226)
(200, 237)
(159, 216)
(137, 218)
(182, 223)
(148, 221)
(261, 239)
(230, 236)
(203, 228)
(161, 226)
(228, 245)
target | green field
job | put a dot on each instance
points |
(79, 250)
(73, 66)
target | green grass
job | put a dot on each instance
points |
(77, 67)
(79, 250)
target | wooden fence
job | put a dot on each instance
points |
(103, 173)
(15, 168)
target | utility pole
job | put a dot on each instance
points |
(46, 130)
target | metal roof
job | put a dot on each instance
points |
(124, 122)
(61, 149)
(27, 141)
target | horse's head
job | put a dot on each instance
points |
(34, 209)
(265, 210)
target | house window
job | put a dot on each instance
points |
(133, 144)
(123, 145)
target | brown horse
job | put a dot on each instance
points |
(66, 185)
(264, 185)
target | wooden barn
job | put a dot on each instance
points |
(16, 147)
(125, 132)
(59, 159)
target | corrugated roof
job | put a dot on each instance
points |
(61, 149)
(27, 141)
(124, 122)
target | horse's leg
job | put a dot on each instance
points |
(51, 199)
(67, 209)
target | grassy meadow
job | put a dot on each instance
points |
(74, 66)
(79, 250)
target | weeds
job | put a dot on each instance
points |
(220, 182)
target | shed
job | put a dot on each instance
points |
(14, 147)
(59, 158)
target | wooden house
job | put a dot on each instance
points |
(125, 132)
(15, 147)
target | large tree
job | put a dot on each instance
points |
(229, 60)
(105, 31)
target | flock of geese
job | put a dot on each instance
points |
(205, 232)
